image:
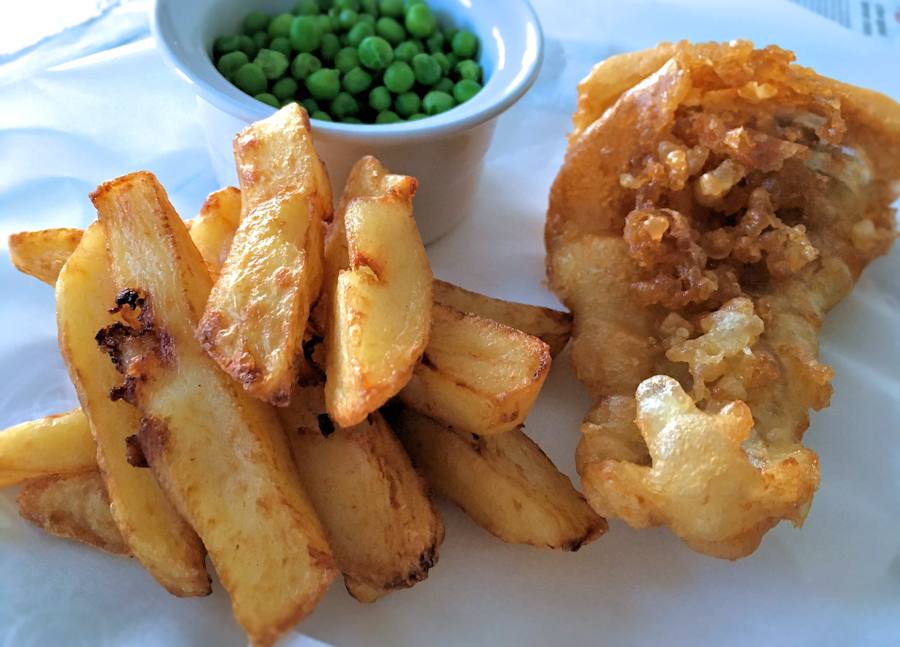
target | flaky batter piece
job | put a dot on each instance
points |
(715, 201)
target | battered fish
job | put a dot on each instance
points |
(715, 201)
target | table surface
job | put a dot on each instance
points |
(836, 581)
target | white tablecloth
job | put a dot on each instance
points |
(836, 581)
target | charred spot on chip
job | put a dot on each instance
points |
(418, 573)
(326, 427)
(153, 436)
(125, 391)
(111, 340)
(133, 342)
(128, 297)
(427, 361)
(592, 533)
(134, 454)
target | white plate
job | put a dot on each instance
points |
(835, 582)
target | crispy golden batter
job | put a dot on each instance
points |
(715, 202)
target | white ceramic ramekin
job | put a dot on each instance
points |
(444, 152)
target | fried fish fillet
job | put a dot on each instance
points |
(715, 201)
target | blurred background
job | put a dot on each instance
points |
(43, 33)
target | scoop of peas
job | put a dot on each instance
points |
(353, 61)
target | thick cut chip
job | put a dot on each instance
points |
(73, 506)
(380, 304)
(275, 156)
(155, 533)
(380, 521)
(551, 326)
(367, 178)
(213, 229)
(256, 314)
(504, 482)
(477, 375)
(254, 321)
(57, 444)
(221, 456)
(42, 253)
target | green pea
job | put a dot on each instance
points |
(399, 77)
(407, 104)
(356, 80)
(272, 63)
(351, 120)
(368, 19)
(468, 70)
(226, 44)
(260, 39)
(453, 59)
(321, 116)
(436, 102)
(265, 97)
(444, 85)
(305, 34)
(416, 116)
(280, 25)
(347, 4)
(248, 46)
(347, 18)
(305, 64)
(427, 70)
(323, 22)
(231, 63)
(310, 105)
(255, 21)
(405, 51)
(375, 53)
(343, 105)
(391, 8)
(464, 44)
(285, 88)
(329, 47)
(359, 31)
(420, 21)
(410, 3)
(465, 90)
(334, 17)
(281, 44)
(306, 8)
(390, 30)
(435, 42)
(346, 59)
(443, 61)
(387, 117)
(380, 98)
(250, 78)
(324, 84)
(369, 6)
